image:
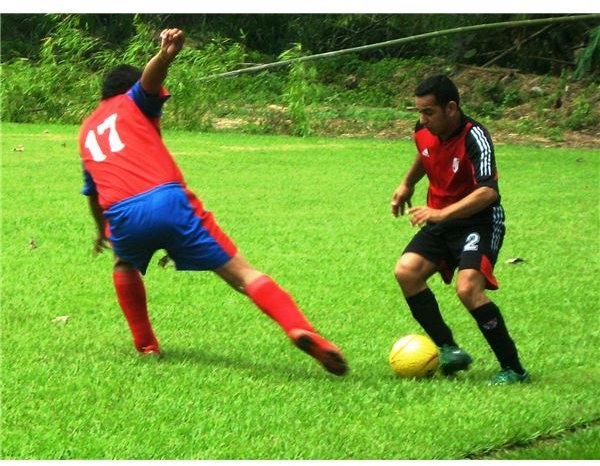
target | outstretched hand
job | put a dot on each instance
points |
(101, 243)
(171, 43)
(401, 196)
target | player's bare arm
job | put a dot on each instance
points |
(100, 242)
(403, 193)
(156, 69)
(466, 207)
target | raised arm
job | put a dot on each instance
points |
(156, 69)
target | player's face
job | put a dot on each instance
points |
(432, 116)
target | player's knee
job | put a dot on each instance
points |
(470, 288)
(400, 272)
(121, 265)
(405, 273)
(468, 292)
(238, 273)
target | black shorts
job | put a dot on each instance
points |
(462, 244)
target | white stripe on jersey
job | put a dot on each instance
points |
(498, 226)
(485, 164)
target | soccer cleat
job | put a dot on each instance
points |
(454, 359)
(319, 348)
(508, 376)
(150, 350)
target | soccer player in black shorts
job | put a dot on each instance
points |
(462, 227)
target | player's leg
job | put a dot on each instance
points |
(198, 243)
(470, 286)
(412, 272)
(416, 265)
(280, 306)
(131, 233)
(264, 292)
(131, 295)
(480, 247)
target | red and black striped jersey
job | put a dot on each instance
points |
(457, 166)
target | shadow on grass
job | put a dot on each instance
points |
(310, 370)
(270, 367)
(283, 367)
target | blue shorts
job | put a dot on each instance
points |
(172, 218)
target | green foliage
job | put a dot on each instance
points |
(589, 59)
(269, 34)
(142, 45)
(52, 89)
(512, 98)
(339, 95)
(64, 84)
(484, 98)
(298, 93)
(525, 126)
(582, 115)
(199, 100)
(69, 43)
(22, 35)
(21, 100)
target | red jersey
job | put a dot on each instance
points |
(459, 165)
(122, 150)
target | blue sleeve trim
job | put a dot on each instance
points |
(150, 104)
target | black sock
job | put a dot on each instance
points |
(492, 326)
(426, 311)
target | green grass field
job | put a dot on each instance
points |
(314, 214)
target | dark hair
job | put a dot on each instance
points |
(119, 80)
(442, 87)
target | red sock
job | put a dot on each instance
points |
(277, 304)
(132, 298)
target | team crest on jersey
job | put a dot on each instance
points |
(425, 152)
(455, 162)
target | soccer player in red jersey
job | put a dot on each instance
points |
(140, 203)
(462, 227)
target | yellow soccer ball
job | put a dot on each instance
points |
(414, 356)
